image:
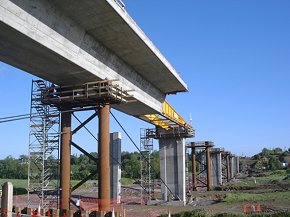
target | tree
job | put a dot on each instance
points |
(155, 162)
(11, 168)
(274, 163)
(131, 166)
(278, 151)
(266, 152)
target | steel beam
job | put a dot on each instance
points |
(193, 156)
(65, 150)
(104, 157)
(84, 152)
(84, 123)
(84, 180)
(208, 171)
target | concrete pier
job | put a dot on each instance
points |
(115, 168)
(172, 168)
(233, 166)
(7, 199)
(216, 166)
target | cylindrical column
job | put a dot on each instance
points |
(104, 157)
(7, 199)
(208, 170)
(193, 158)
(228, 167)
(65, 150)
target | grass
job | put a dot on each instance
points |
(127, 181)
(279, 176)
(276, 214)
(200, 213)
(251, 197)
(19, 185)
(270, 177)
(196, 213)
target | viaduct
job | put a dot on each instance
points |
(97, 56)
(71, 43)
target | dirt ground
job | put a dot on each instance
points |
(210, 206)
(142, 211)
(210, 201)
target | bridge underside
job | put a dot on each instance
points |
(68, 42)
(76, 42)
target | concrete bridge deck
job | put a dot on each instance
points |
(72, 42)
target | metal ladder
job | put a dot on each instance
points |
(43, 160)
(146, 147)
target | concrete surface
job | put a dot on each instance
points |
(232, 167)
(7, 199)
(72, 42)
(172, 168)
(216, 166)
(115, 168)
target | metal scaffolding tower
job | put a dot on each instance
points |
(43, 160)
(146, 147)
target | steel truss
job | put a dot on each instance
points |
(146, 147)
(43, 160)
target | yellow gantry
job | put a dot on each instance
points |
(167, 119)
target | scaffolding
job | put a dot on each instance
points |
(146, 147)
(43, 160)
(201, 164)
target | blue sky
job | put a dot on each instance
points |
(233, 54)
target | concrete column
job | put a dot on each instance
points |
(237, 165)
(232, 167)
(7, 199)
(65, 152)
(193, 158)
(172, 167)
(104, 157)
(163, 170)
(115, 157)
(228, 168)
(235, 162)
(208, 170)
(216, 167)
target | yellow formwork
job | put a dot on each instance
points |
(168, 118)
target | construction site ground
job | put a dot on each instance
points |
(270, 190)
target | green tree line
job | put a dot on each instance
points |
(81, 166)
(271, 159)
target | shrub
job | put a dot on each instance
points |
(229, 215)
(196, 213)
